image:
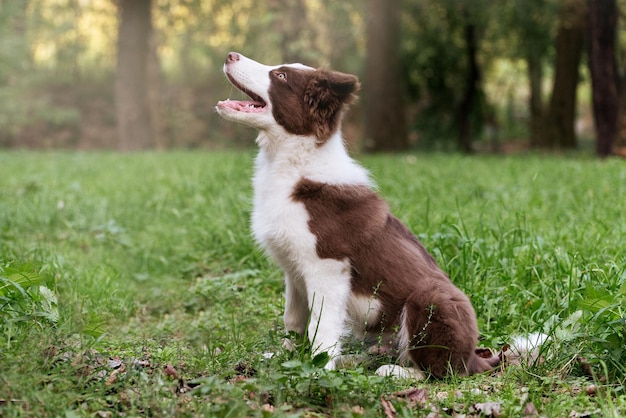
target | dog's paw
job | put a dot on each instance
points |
(288, 344)
(400, 372)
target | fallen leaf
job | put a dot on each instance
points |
(585, 367)
(530, 410)
(489, 409)
(142, 363)
(586, 414)
(113, 376)
(50, 352)
(591, 390)
(101, 374)
(267, 408)
(114, 363)
(358, 410)
(441, 396)
(415, 396)
(245, 369)
(239, 378)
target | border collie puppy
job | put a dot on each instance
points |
(349, 264)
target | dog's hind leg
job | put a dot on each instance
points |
(439, 332)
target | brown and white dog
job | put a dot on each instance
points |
(349, 264)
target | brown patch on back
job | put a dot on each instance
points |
(310, 102)
(388, 262)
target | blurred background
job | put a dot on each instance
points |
(453, 75)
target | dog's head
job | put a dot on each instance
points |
(301, 100)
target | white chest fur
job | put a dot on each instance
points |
(279, 224)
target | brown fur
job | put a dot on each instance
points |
(310, 102)
(389, 263)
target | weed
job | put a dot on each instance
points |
(25, 300)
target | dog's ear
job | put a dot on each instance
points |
(326, 94)
(331, 88)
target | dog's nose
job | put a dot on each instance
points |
(232, 57)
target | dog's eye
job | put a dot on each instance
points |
(281, 76)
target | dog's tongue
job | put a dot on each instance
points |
(242, 105)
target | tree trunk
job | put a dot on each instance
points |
(13, 34)
(469, 99)
(604, 76)
(155, 81)
(535, 101)
(131, 79)
(558, 127)
(385, 119)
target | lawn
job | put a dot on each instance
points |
(130, 285)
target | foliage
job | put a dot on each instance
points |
(436, 62)
(58, 59)
(166, 307)
(603, 303)
(25, 298)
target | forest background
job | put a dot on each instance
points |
(437, 74)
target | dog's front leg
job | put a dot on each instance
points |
(296, 306)
(328, 289)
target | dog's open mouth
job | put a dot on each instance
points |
(257, 104)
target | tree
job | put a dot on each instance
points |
(444, 56)
(134, 123)
(532, 21)
(385, 120)
(289, 16)
(15, 63)
(558, 127)
(604, 76)
(472, 86)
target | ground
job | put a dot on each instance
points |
(130, 285)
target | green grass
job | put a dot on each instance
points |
(113, 267)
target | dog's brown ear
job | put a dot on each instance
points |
(326, 94)
(331, 87)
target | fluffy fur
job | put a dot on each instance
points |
(349, 264)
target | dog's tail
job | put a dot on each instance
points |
(525, 349)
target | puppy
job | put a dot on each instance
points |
(349, 264)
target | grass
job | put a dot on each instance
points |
(130, 285)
